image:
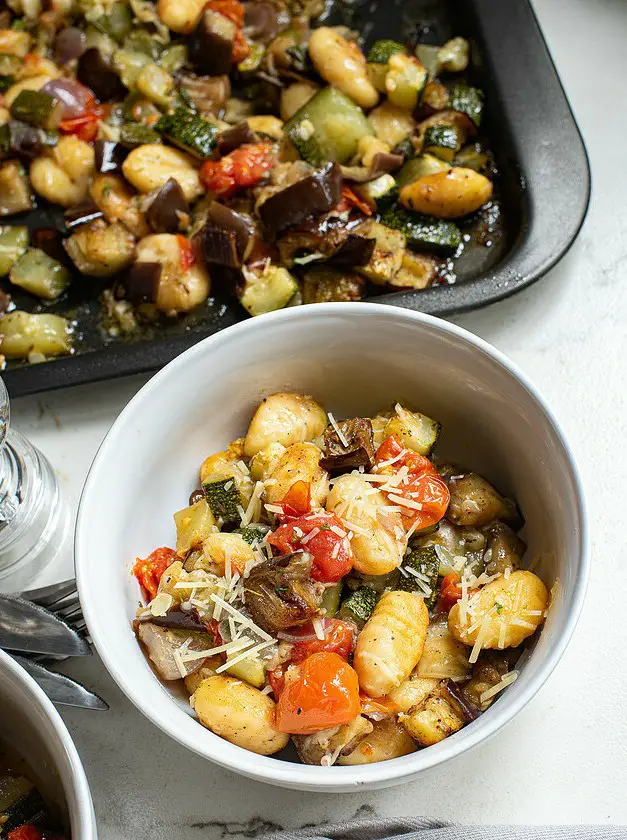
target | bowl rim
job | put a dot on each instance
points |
(290, 774)
(73, 778)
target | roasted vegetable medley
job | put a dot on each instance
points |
(24, 813)
(333, 584)
(239, 145)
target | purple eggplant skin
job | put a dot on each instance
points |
(22, 141)
(211, 44)
(140, 282)
(68, 45)
(313, 195)
(339, 458)
(227, 236)
(82, 214)
(177, 619)
(261, 22)
(109, 155)
(235, 137)
(387, 162)
(50, 241)
(165, 212)
(355, 250)
(95, 71)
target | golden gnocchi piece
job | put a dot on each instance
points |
(100, 250)
(284, 418)
(180, 290)
(391, 643)
(62, 176)
(343, 65)
(387, 740)
(450, 194)
(263, 464)
(240, 713)
(217, 547)
(377, 545)
(443, 656)
(412, 692)
(180, 16)
(119, 203)
(150, 166)
(299, 462)
(503, 613)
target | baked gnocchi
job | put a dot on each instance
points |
(334, 584)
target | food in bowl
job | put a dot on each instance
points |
(225, 143)
(334, 585)
(24, 813)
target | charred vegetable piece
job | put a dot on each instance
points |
(96, 72)
(13, 243)
(380, 193)
(20, 803)
(211, 44)
(426, 232)
(50, 241)
(267, 290)
(359, 605)
(168, 212)
(443, 141)
(39, 274)
(177, 619)
(161, 643)
(355, 250)
(189, 132)
(15, 194)
(421, 574)
(227, 236)
(252, 536)
(233, 138)
(280, 593)
(505, 549)
(109, 156)
(82, 214)
(68, 45)
(382, 51)
(6, 82)
(224, 499)
(474, 503)
(356, 451)
(36, 108)
(20, 140)
(311, 196)
(328, 127)
(141, 282)
(326, 284)
(136, 134)
(261, 21)
(468, 100)
(207, 94)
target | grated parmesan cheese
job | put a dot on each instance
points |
(338, 431)
(506, 679)
(246, 654)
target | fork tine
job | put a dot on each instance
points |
(46, 596)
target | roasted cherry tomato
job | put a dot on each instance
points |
(24, 832)
(276, 679)
(243, 167)
(297, 501)
(319, 693)
(186, 252)
(350, 199)
(330, 549)
(234, 11)
(451, 592)
(148, 572)
(339, 637)
(424, 491)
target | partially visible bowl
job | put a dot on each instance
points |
(355, 359)
(32, 726)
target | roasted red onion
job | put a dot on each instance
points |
(75, 97)
(305, 633)
(69, 44)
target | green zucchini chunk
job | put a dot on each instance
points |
(380, 193)
(359, 605)
(424, 232)
(251, 535)
(13, 243)
(39, 274)
(224, 499)
(419, 574)
(468, 100)
(189, 132)
(381, 51)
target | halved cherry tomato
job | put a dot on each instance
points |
(187, 256)
(339, 637)
(148, 572)
(296, 502)
(243, 167)
(451, 592)
(84, 127)
(234, 11)
(276, 678)
(321, 692)
(423, 489)
(331, 552)
(24, 832)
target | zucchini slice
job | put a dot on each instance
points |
(189, 132)
(271, 289)
(418, 167)
(426, 232)
(331, 599)
(442, 141)
(39, 274)
(193, 525)
(13, 243)
(468, 100)
(405, 81)
(419, 574)
(380, 193)
(328, 128)
(224, 499)
(359, 605)
(414, 430)
(252, 535)
(136, 134)
(382, 51)
(36, 108)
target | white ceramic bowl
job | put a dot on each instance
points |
(354, 358)
(31, 724)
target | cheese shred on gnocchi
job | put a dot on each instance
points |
(334, 584)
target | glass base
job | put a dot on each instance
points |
(35, 526)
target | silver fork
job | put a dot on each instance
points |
(62, 600)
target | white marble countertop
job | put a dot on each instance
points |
(564, 759)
